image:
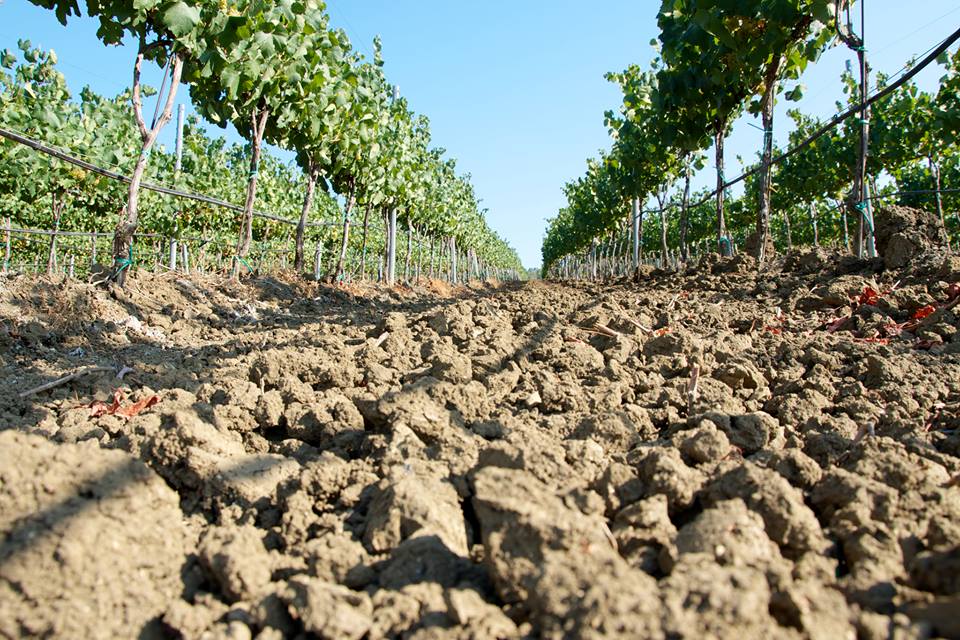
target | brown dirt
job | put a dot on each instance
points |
(500, 461)
(904, 233)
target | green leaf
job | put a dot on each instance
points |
(181, 18)
(231, 81)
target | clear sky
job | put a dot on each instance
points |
(514, 89)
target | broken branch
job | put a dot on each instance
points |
(64, 380)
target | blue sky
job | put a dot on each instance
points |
(514, 89)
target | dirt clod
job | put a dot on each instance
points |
(498, 461)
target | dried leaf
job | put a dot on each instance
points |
(924, 312)
(869, 296)
(835, 324)
(99, 408)
(137, 407)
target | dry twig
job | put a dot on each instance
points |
(64, 380)
(383, 338)
(638, 325)
(605, 330)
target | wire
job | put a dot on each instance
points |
(356, 33)
(835, 121)
(61, 155)
(913, 33)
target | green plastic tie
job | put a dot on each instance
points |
(864, 209)
(245, 263)
(125, 263)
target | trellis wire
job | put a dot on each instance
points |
(88, 166)
(826, 128)
(113, 175)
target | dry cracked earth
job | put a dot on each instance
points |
(722, 452)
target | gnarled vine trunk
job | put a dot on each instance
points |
(130, 218)
(684, 217)
(720, 138)
(258, 124)
(363, 244)
(345, 238)
(298, 259)
(766, 173)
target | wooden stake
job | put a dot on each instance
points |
(52, 255)
(6, 257)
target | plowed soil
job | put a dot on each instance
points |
(711, 454)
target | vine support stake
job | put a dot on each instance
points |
(317, 259)
(392, 247)
(861, 187)
(453, 260)
(6, 255)
(52, 255)
(178, 165)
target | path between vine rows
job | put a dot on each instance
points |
(494, 462)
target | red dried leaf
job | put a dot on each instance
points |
(137, 407)
(99, 408)
(834, 325)
(869, 296)
(923, 312)
(774, 330)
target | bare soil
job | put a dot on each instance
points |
(719, 453)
